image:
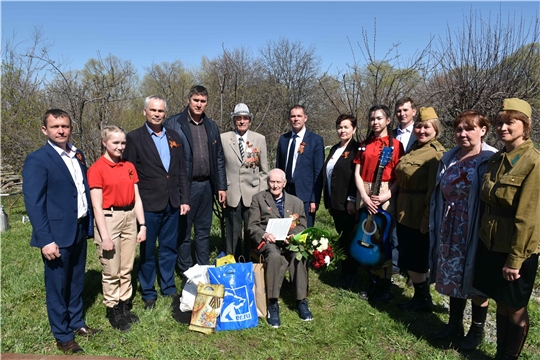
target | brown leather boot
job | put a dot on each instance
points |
(515, 339)
(502, 331)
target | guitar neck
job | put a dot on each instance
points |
(376, 189)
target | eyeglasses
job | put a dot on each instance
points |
(241, 117)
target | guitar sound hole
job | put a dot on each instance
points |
(369, 227)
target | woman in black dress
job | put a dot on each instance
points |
(340, 189)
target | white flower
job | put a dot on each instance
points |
(322, 247)
(327, 260)
(314, 243)
(324, 241)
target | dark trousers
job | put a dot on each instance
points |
(310, 217)
(345, 224)
(160, 225)
(64, 284)
(234, 217)
(200, 217)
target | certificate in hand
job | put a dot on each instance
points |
(279, 227)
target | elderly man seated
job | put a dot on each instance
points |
(276, 203)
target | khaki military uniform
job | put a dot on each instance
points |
(416, 173)
(511, 190)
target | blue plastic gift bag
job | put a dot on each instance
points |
(239, 310)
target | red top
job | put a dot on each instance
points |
(369, 158)
(115, 180)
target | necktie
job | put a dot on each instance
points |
(241, 146)
(279, 205)
(288, 169)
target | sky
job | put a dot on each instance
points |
(155, 32)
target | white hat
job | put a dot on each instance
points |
(241, 109)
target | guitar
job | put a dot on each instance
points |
(371, 240)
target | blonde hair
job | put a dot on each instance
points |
(436, 123)
(108, 130)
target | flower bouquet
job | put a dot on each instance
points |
(317, 246)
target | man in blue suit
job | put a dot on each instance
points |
(57, 201)
(300, 154)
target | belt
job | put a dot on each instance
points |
(81, 220)
(403, 191)
(502, 212)
(121, 208)
(201, 178)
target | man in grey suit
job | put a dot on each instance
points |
(247, 168)
(275, 203)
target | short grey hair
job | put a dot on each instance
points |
(154, 97)
(277, 170)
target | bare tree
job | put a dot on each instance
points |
(375, 80)
(169, 80)
(482, 63)
(23, 102)
(231, 78)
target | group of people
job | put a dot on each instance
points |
(160, 180)
(465, 219)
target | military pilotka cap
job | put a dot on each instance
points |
(517, 105)
(241, 109)
(427, 113)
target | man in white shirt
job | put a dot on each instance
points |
(405, 113)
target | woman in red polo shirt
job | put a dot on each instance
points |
(367, 161)
(117, 206)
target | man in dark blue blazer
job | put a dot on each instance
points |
(300, 154)
(57, 201)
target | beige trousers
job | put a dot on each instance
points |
(117, 264)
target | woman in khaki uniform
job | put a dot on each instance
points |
(507, 257)
(415, 174)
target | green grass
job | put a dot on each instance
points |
(344, 327)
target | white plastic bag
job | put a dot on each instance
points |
(197, 274)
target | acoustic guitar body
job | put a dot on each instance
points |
(371, 239)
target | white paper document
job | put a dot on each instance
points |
(279, 227)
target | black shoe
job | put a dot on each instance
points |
(349, 281)
(70, 346)
(473, 339)
(454, 328)
(117, 319)
(149, 304)
(125, 308)
(450, 330)
(417, 304)
(421, 301)
(476, 332)
(273, 314)
(303, 310)
(382, 292)
(175, 301)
